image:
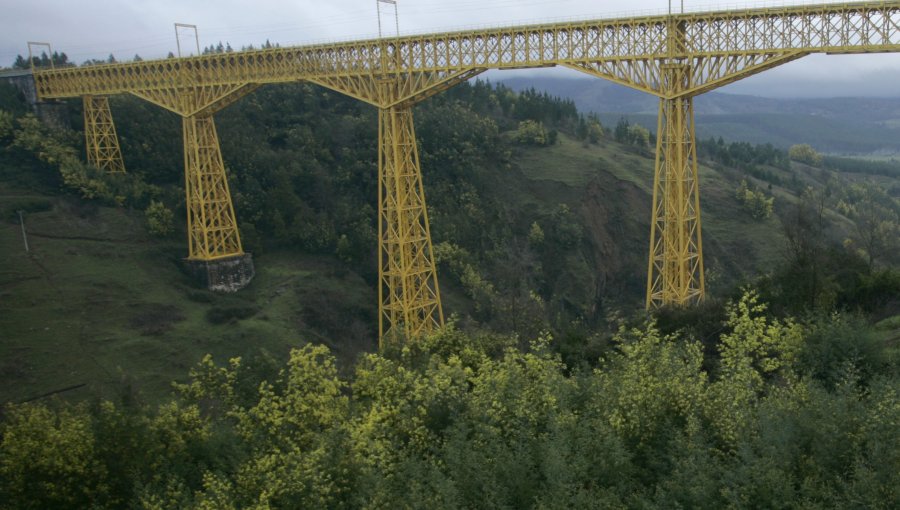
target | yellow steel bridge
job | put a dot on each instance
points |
(674, 57)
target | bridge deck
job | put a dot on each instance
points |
(718, 45)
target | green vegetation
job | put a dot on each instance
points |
(159, 219)
(529, 237)
(754, 201)
(632, 134)
(889, 168)
(788, 415)
(533, 133)
(760, 161)
(805, 154)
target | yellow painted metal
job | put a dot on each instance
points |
(675, 271)
(720, 46)
(674, 57)
(408, 294)
(212, 228)
(196, 100)
(409, 299)
(675, 268)
(100, 135)
(407, 88)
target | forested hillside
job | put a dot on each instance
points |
(552, 388)
(844, 125)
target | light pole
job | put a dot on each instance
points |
(24, 236)
(396, 15)
(178, 36)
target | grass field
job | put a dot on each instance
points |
(97, 302)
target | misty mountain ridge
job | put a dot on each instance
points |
(843, 125)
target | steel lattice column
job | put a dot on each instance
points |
(408, 294)
(212, 229)
(675, 273)
(100, 135)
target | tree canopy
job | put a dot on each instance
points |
(463, 421)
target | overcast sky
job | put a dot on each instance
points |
(86, 29)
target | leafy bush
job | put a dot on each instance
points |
(632, 134)
(469, 421)
(841, 345)
(159, 219)
(6, 125)
(756, 202)
(594, 129)
(531, 132)
(805, 154)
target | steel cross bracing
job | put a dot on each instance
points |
(675, 272)
(212, 228)
(674, 57)
(409, 300)
(101, 142)
(720, 46)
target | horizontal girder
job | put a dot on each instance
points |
(198, 100)
(719, 45)
(406, 90)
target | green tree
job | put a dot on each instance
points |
(6, 125)
(48, 459)
(877, 224)
(531, 132)
(621, 131)
(535, 235)
(805, 282)
(805, 154)
(594, 129)
(638, 135)
(159, 219)
(755, 201)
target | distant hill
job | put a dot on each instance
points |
(848, 125)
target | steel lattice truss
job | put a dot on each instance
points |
(675, 273)
(101, 142)
(409, 300)
(212, 229)
(720, 46)
(674, 57)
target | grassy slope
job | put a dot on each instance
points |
(736, 246)
(98, 302)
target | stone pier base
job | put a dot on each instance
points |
(222, 275)
(53, 113)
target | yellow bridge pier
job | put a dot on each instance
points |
(675, 268)
(674, 57)
(101, 142)
(408, 292)
(409, 296)
(215, 252)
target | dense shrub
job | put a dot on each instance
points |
(469, 421)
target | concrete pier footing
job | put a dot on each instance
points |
(229, 274)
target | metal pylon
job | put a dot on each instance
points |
(408, 295)
(212, 229)
(100, 135)
(675, 273)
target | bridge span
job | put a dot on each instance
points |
(674, 57)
